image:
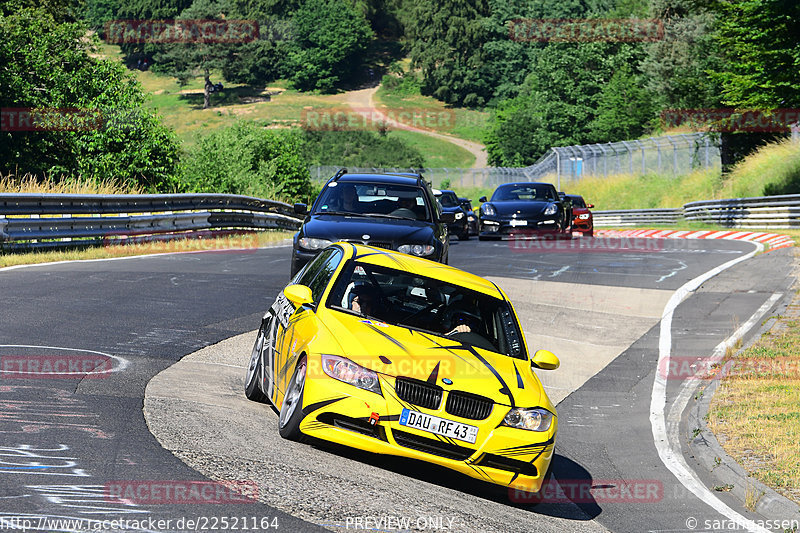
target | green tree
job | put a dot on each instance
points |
(625, 110)
(247, 159)
(50, 66)
(760, 41)
(559, 100)
(676, 67)
(331, 39)
(447, 43)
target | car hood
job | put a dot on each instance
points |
(521, 208)
(579, 210)
(398, 351)
(341, 227)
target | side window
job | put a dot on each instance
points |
(306, 275)
(325, 273)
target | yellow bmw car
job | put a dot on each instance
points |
(394, 354)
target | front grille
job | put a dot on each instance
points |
(505, 463)
(468, 405)
(418, 393)
(434, 447)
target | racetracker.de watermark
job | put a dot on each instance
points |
(66, 366)
(529, 242)
(154, 492)
(728, 120)
(592, 491)
(709, 369)
(585, 30)
(221, 241)
(187, 31)
(368, 118)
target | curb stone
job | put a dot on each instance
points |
(709, 454)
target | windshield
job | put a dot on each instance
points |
(361, 199)
(448, 199)
(577, 201)
(426, 304)
(540, 193)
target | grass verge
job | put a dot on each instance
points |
(463, 123)
(236, 243)
(755, 412)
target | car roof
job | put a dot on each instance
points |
(389, 179)
(424, 267)
(518, 183)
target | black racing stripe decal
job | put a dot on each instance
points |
(526, 446)
(434, 375)
(520, 384)
(504, 390)
(387, 336)
(308, 409)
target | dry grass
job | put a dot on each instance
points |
(755, 412)
(235, 243)
(30, 184)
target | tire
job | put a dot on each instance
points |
(589, 233)
(252, 389)
(291, 413)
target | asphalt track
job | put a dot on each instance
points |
(64, 440)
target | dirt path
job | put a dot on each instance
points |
(364, 99)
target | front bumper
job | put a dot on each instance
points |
(499, 228)
(509, 457)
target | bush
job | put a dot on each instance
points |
(359, 149)
(246, 159)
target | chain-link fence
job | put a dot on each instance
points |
(671, 154)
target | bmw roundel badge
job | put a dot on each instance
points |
(447, 381)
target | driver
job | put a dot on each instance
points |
(365, 300)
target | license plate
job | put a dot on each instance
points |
(439, 426)
(519, 222)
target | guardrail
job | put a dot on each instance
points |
(634, 217)
(767, 212)
(70, 220)
(762, 212)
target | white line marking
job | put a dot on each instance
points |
(671, 458)
(123, 363)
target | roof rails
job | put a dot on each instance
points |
(339, 174)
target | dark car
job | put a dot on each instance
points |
(581, 216)
(450, 204)
(472, 218)
(526, 209)
(390, 211)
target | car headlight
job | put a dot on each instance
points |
(420, 250)
(459, 216)
(585, 216)
(536, 419)
(313, 244)
(347, 371)
(488, 210)
(551, 209)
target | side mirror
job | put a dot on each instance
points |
(483, 199)
(589, 206)
(448, 217)
(298, 294)
(300, 209)
(545, 360)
